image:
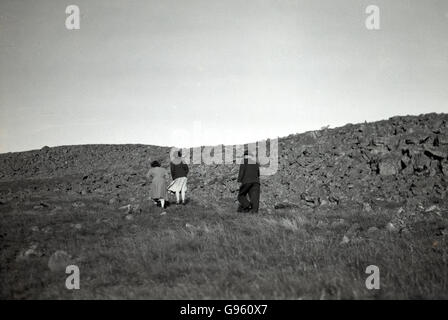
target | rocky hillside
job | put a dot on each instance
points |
(402, 161)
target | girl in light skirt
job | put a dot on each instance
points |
(179, 172)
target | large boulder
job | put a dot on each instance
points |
(388, 166)
(444, 167)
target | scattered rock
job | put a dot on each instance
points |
(391, 227)
(366, 207)
(27, 253)
(421, 163)
(41, 205)
(436, 154)
(285, 205)
(76, 226)
(309, 200)
(444, 167)
(432, 208)
(78, 204)
(372, 230)
(443, 140)
(345, 240)
(59, 260)
(127, 208)
(339, 222)
(387, 167)
(47, 229)
(31, 251)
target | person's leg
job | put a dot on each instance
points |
(242, 196)
(183, 191)
(254, 195)
(177, 197)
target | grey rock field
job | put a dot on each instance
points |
(337, 195)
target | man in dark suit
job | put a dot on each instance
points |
(249, 177)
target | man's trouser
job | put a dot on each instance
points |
(253, 189)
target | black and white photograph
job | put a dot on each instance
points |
(223, 150)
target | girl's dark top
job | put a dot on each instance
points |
(178, 170)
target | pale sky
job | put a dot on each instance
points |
(203, 72)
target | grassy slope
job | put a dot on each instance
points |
(195, 252)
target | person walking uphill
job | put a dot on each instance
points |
(159, 176)
(249, 177)
(179, 172)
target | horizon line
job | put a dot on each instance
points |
(236, 144)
